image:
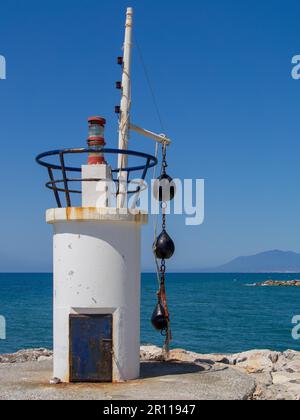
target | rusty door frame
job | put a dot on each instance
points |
(77, 316)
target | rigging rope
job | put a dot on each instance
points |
(159, 116)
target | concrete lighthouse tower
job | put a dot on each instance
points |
(97, 272)
(96, 284)
(96, 251)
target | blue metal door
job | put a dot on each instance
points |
(91, 348)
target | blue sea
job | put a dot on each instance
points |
(211, 313)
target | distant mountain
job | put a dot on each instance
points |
(265, 262)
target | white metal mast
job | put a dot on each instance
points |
(125, 125)
(125, 108)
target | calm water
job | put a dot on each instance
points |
(210, 312)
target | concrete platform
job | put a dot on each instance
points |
(159, 381)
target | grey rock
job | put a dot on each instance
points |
(23, 356)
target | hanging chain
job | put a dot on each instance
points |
(163, 267)
(164, 159)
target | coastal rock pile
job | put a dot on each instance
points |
(277, 375)
(290, 283)
(30, 355)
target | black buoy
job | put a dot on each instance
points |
(164, 188)
(164, 247)
(159, 319)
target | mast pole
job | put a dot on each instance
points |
(124, 124)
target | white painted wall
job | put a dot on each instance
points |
(97, 271)
(96, 194)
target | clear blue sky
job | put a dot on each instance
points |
(221, 73)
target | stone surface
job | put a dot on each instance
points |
(253, 375)
(280, 378)
(160, 380)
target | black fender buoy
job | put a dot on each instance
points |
(164, 247)
(164, 188)
(159, 319)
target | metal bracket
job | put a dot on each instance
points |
(160, 138)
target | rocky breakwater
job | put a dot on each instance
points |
(276, 375)
(279, 283)
(23, 356)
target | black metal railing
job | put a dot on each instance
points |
(61, 185)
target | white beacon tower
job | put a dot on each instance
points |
(96, 283)
(97, 253)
